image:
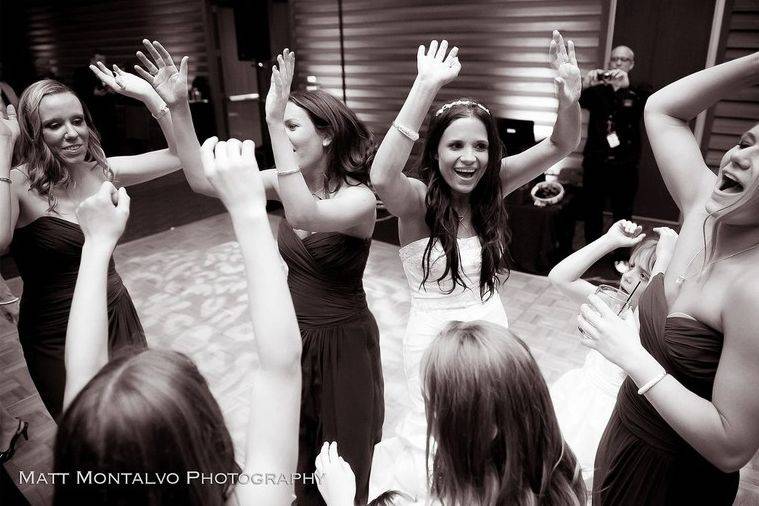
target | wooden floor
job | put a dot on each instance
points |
(188, 287)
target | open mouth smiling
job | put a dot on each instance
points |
(729, 184)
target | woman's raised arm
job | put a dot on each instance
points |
(520, 169)
(133, 169)
(272, 440)
(667, 114)
(402, 195)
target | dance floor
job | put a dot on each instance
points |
(188, 286)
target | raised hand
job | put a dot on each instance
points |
(434, 66)
(337, 482)
(563, 60)
(281, 81)
(103, 216)
(625, 234)
(9, 129)
(665, 248)
(169, 82)
(122, 82)
(232, 170)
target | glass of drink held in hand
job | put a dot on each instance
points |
(616, 298)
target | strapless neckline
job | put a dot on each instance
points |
(54, 218)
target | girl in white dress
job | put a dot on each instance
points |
(584, 398)
(452, 225)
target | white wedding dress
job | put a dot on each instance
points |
(398, 463)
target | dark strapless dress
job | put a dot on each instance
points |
(641, 460)
(47, 253)
(342, 396)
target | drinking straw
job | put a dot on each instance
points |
(628, 298)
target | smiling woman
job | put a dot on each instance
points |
(60, 163)
(691, 363)
(453, 225)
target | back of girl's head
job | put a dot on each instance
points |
(496, 437)
(46, 169)
(352, 147)
(150, 413)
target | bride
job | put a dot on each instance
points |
(453, 226)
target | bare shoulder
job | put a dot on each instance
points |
(741, 300)
(356, 190)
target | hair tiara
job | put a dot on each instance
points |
(461, 102)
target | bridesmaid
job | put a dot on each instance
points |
(63, 163)
(685, 421)
(322, 153)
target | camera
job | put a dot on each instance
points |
(604, 75)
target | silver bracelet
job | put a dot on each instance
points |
(288, 172)
(163, 111)
(406, 132)
(648, 386)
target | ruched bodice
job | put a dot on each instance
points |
(641, 459)
(342, 395)
(47, 252)
(325, 275)
(687, 348)
(439, 295)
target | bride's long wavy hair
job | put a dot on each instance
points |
(489, 217)
(47, 171)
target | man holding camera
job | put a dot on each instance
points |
(612, 147)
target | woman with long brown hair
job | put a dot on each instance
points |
(452, 224)
(492, 434)
(60, 163)
(322, 153)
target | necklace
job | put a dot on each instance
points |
(461, 216)
(684, 276)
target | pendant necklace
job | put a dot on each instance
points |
(684, 276)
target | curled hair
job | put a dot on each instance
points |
(489, 217)
(496, 437)
(147, 413)
(47, 171)
(352, 147)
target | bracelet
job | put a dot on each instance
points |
(407, 132)
(163, 111)
(6, 180)
(288, 172)
(648, 386)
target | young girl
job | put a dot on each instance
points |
(584, 398)
(452, 224)
(496, 438)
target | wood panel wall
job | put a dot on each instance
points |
(503, 50)
(736, 114)
(64, 35)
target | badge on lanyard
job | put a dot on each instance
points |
(612, 139)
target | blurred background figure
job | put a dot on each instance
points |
(612, 149)
(99, 99)
(7, 94)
